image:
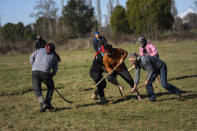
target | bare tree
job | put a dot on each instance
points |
(106, 20)
(62, 3)
(109, 8)
(89, 2)
(178, 22)
(99, 14)
(195, 5)
(174, 14)
(173, 8)
(47, 10)
(109, 11)
(117, 2)
(1, 38)
(191, 19)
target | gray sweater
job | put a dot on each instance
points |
(41, 61)
(151, 64)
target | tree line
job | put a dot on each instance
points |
(79, 19)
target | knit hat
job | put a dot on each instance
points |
(96, 33)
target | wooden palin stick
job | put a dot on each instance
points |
(102, 79)
(121, 97)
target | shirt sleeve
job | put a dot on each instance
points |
(150, 68)
(123, 53)
(137, 76)
(32, 57)
(141, 51)
(55, 66)
(153, 51)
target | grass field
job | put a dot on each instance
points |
(19, 109)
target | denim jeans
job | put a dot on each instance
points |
(163, 79)
(37, 78)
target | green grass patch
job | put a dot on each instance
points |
(19, 109)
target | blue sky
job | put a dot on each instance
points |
(20, 10)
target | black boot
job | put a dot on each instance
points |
(50, 107)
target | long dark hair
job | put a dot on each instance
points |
(57, 55)
(52, 47)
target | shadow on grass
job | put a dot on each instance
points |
(23, 92)
(77, 66)
(166, 99)
(90, 104)
(87, 105)
(190, 96)
(185, 97)
(182, 77)
(129, 97)
(132, 97)
(62, 108)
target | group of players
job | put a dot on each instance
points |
(106, 59)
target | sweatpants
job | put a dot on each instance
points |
(37, 78)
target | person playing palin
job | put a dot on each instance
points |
(114, 58)
(154, 66)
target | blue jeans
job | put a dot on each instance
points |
(163, 79)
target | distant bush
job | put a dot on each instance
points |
(19, 47)
(84, 43)
(177, 36)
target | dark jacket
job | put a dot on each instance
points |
(97, 46)
(151, 64)
(40, 43)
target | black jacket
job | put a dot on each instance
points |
(40, 43)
